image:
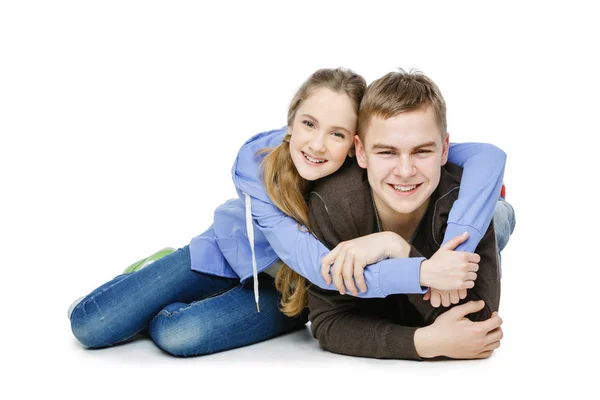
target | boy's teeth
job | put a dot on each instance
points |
(404, 188)
(312, 159)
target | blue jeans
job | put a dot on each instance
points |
(504, 225)
(504, 222)
(186, 313)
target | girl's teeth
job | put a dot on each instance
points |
(404, 188)
(312, 159)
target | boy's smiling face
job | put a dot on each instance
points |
(403, 156)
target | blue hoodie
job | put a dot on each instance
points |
(250, 233)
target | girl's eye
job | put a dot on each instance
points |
(310, 124)
(339, 134)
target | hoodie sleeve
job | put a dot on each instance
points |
(349, 218)
(483, 172)
(300, 249)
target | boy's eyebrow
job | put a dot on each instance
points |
(382, 146)
(333, 127)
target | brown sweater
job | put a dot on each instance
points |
(341, 208)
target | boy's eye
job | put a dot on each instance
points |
(385, 153)
(423, 151)
(310, 124)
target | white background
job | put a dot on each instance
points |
(119, 123)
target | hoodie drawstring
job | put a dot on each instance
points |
(250, 229)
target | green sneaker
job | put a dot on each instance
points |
(148, 260)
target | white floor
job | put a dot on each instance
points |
(533, 360)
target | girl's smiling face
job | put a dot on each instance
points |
(322, 133)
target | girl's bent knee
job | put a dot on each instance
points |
(96, 329)
(88, 331)
(179, 338)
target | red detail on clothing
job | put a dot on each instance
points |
(503, 192)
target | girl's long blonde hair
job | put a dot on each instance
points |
(284, 185)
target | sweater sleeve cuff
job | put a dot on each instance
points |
(469, 245)
(403, 343)
(401, 276)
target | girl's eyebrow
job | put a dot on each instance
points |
(308, 116)
(341, 128)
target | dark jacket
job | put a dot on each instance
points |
(341, 208)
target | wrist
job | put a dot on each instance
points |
(398, 247)
(424, 275)
(425, 343)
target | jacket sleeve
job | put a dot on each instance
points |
(487, 284)
(358, 327)
(483, 172)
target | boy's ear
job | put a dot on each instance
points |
(361, 156)
(445, 149)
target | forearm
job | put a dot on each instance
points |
(343, 328)
(303, 252)
(483, 172)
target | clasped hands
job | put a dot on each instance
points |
(448, 273)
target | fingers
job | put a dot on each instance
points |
(435, 300)
(468, 285)
(427, 295)
(492, 346)
(359, 276)
(326, 264)
(469, 307)
(473, 258)
(462, 293)
(494, 336)
(484, 354)
(471, 276)
(445, 296)
(454, 242)
(491, 323)
(341, 267)
(336, 273)
(473, 266)
(348, 274)
(454, 296)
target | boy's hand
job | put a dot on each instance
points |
(453, 335)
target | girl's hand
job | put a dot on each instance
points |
(448, 269)
(444, 297)
(350, 258)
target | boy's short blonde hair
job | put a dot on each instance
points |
(399, 92)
